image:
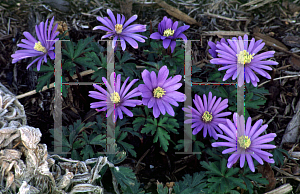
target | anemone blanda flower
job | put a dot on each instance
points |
(159, 92)
(168, 32)
(119, 29)
(213, 47)
(117, 99)
(39, 49)
(245, 143)
(238, 54)
(207, 115)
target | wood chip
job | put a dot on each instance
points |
(257, 5)
(220, 17)
(177, 13)
(295, 62)
(226, 33)
(286, 188)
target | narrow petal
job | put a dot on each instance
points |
(112, 17)
(132, 19)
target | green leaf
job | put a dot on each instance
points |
(45, 68)
(75, 155)
(255, 103)
(162, 121)
(68, 65)
(130, 70)
(232, 171)
(43, 80)
(258, 178)
(128, 148)
(99, 140)
(138, 122)
(133, 189)
(191, 184)
(149, 128)
(211, 167)
(122, 136)
(220, 177)
(126, 56)
(118, 156)
(163, 137)
(248, 97)
(278, 156)
(82, 44)
(86, 62)
(97, 76)
(237, 182)
(124, 176)
(222, 92)
(214, 75)
(69, 52)
(78, 144)
(161, 189)
(87, 152)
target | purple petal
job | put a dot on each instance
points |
(162, 76)
(250, 162)
(156, 111)
(178, 96)
(168, 108)
(173, 45)
(153, 79)
(106, 22)
(166, 43)
(131, 41)
(132, 19)
(155, 35)
(112, 17)
(126, 111)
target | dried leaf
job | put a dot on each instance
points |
(271, 41)
(268, 173)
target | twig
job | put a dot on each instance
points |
(177, 13)
(226, 33)
(143, 156)
(84, 73)
(220, 17)
(286, 173)
(286, 188)
(289, 76)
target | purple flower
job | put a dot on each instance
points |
(117, 99)
(159, 92)
(238, 55)
(245, 143)
(168, 32)
(213, 47)
(118, 29)
(39, 49)
(207, 115)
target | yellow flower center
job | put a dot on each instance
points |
(244, 141)
(39, 47)
(115, 97)
(168, 32)
(158, 92)
(118, 28)
(207, 116)
(244, 57)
